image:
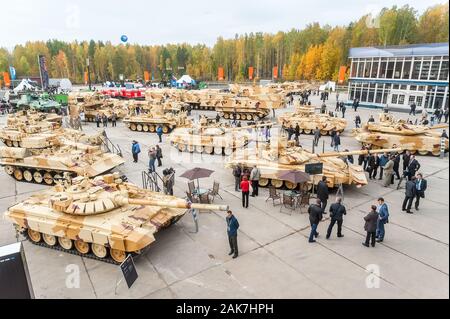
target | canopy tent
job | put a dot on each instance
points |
(186, 80)
(24, 85)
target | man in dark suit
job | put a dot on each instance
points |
(337, 212)
(413, 167)
(406, 157)
(371, 226)
(410, 193)
(322, 192)
(315, 216)
(421, 187)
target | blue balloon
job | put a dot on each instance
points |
(124, 38)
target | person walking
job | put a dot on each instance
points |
(114, 120)
(337, 212)
(383, 161)
(388, 171)
(159, 155)
(297, 131)
(370, 226)
(317, 136)
(412, 109)
(315, 212)
(413, 167)
(343, 109)
(446, 115)
(135, 150)
(291, 131)
(383, 219)
(337, 141)
(237, 172)
(406, 159)
(421, 187)
(159, 132)
(98, 119)
(323, 192)
(105, 120)
(358, 121)
(232, 230)
(255, 176)
(410, 194)
(396, 167)
(152, 156)
(376, 165)
(245, 187)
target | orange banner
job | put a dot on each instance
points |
(221, 74)
(86, 78)
(7, 79)
(275, 72)
(147, 76)
(251, 71)
(342, 72)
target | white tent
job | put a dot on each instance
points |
(24, 85)
(328, 86)
(185, 79)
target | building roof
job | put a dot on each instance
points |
(427, 49)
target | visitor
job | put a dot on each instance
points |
(159, 132)
(383, 219)
(232, 229)
(136, 150)
(410, 194)
(317, 136)
(370, 226)
(245, 187)
(237, 172)
(152, 156)
(383, 161)
(315, 212)
(255, 176)
(114, 120)
(357, 121)
(412, 109)
(413, 167)
(421, 187)
(159, 155)
(323, 192)
(337, 212)
(388, 171)
(337, 141)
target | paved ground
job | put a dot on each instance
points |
(276, 261)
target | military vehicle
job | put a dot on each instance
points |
(209, 139)
(390, 133)
(46, 166)
(156, 117)
(40, 103)
(308, 121)
(284, 156)
(248, 109)
(103, 218)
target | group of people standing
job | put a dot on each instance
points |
(155, 155)
(103, 119)
(247, 182)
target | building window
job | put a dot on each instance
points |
(435, 70)
(406, 70)
(413, 88)
(425, 70)
(416, 70)
(383, 66)
(394, 98)
(398, 69)
(379, 95)
(401, 99)
(403, 87)
(374, 70)
(390, 69)
(361, 69)
(354, 68)
(419, 100)
(443, 75)
(395, 86)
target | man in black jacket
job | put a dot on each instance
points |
(421, 187)
(237, 172)
(396, 167)
(370, 226)
(315, 216)
(406, 157)
(410, 193)
(232, 230)
(413, 167)
(337, 212)
(322, 192)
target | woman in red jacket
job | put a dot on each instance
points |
(245, 187)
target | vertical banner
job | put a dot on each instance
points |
(221, 74)
(86, 78)
(342, 72)
(7, 79)
(146, 76)
(275, 72)
(251, 71)
(12, 72)
(43, 71)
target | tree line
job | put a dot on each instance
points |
(313, 53)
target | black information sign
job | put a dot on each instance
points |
(314, 169)
(129, 271)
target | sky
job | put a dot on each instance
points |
(174, 21)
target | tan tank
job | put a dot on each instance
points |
(94, 103)
(248, 109)
(308, 121)
(209, 139)
(397, 133)
(46, 166)
(156, 117)
(284, 156)
(102, 218)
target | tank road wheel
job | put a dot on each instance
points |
(38, 178)
(306, 187)
(50, 240)
(423, 152)
(139, 128)
(209, 149)
(413, 152)
(228, 151)
(166, 129)
(57, 177)
(99, 251)
(323, 132)
(277, 183)
(226, 116)
(152, 128)
(263, 182)
(249, 117)
(35, 236)
(145, 128)
(238, 116)
(133, 127)
(118, 255)
(81, 247)
(218, 150)
(48, 178)
(181, 147)
(436, 152)
(199, 149)
(191, 148)
(28, 176)
(18, 174)
(16, 144)
(307, 131)
(290, 185)
(9, 143)
(9, 170)
(65, 243)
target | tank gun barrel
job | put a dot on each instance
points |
(252, 126)
(361, 152)
(170, 204)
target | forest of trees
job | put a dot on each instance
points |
(316, 52)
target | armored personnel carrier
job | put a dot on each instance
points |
(397, 133)
(209, 139)
(284, 156)
(156, 117)
(38, 102)
(102, 218)
(308, 121)
(46, 166)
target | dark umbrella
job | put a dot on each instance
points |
(196, 174)
(296, 177)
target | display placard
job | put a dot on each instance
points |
(129, 271)
(314, 169)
